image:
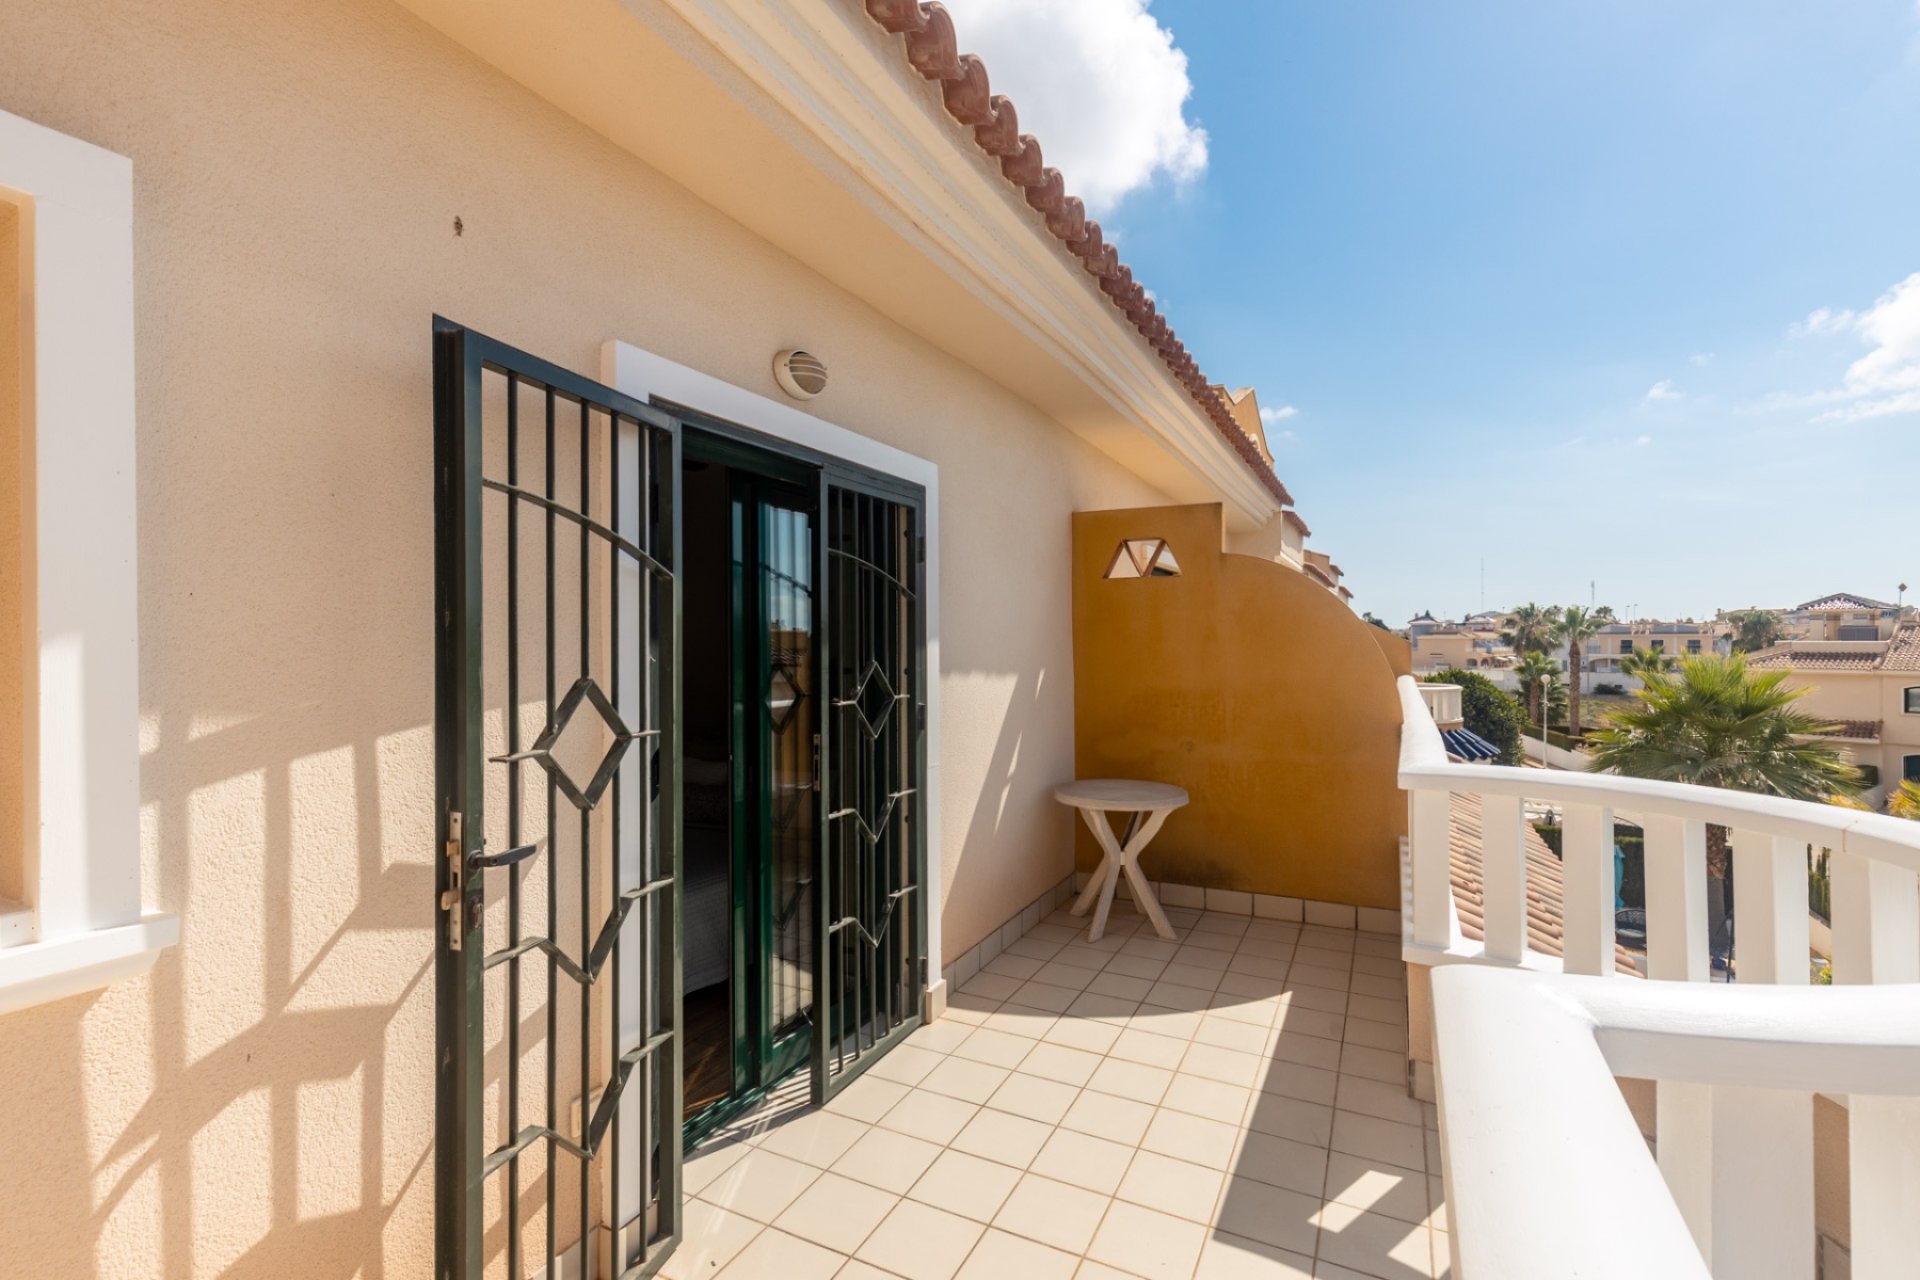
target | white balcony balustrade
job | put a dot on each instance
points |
(1548, 1172)
(1443, 703)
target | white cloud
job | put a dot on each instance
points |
(1271, 416)
(1702, 359)
(1643, 439)
(1825, 320)
(1663, 390)
(1886, 380)
(1099, 82)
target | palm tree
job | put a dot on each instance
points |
(1647, 665)
(1577, 625)
(1754, 630)
(1905, 800)
(1719, 724)
(1532, 628)
(1534, 672)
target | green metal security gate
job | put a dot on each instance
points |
(871, 974)
(558, 1105)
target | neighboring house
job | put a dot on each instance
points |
(1439, 646)
(1869, 689)
(1842, 616)
(1617, 641)
(625, 514)
(1244, 405)
(1320, 568)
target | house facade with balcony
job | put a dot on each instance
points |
(1868, 688)
(563, 552)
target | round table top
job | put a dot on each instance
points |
(1120, 795)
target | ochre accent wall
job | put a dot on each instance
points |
(1397, 648)
(1256, 690)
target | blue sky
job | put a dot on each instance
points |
(1538, 279)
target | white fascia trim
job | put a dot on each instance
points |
(646, 376)
(37, 972)
(821, 71)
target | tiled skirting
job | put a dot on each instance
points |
(1264, 906)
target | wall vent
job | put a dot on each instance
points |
(801, 374)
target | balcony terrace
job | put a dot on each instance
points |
(1232, 1106)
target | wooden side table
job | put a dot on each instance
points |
(1147, 805)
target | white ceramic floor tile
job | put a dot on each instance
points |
(1033, 1097)
(963, 1079)
(891, 1161)
(836, 1213)
(1083, 1160)
(933, 1117)
(775, 1253)
(1377, 1187)
(713, 1238)
(919, 1242)
(761, 1186)
(1219, 1107)
(813, 1137)
(1155, 1245)
(1373, 1243)
(970, 1186)
(1228, 1257)
(1001, 1256)
(1053, 1213)
(995, 1135)
(1172, 1186)
(1107, 1116)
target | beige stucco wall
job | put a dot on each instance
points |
(1866, 696)
(260, 1105)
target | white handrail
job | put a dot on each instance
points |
(1547, 1173)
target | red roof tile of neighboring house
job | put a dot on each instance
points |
(1546, 885)
(1903, 651)
(1901, 654)
(933, 51)
(1782, 658)
(1866, 730)
(1842, 600)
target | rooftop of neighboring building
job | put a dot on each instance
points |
(1899, 654)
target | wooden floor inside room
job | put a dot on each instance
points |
(709, 1048)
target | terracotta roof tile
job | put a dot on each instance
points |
(1902, 654)
(1546, 885)
(1866, 730)
(933, 51)
(1842, 600)
(1782, 658)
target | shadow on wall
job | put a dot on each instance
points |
(1258, 691)
(260, 1104)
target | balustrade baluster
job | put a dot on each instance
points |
(1770, 908)
(1504, 876)
(1587, 843)
(1432, 869)
(1676, 880)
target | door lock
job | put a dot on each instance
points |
(456, 876)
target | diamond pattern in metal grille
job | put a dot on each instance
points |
(548, 747)
(874, 700)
